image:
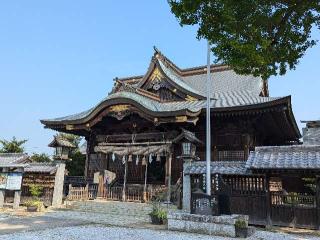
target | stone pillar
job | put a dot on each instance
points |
(58, 185)
(186, 201)
(2, 192)
(168, 176)
(16, 200)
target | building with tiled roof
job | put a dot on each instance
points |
(167, 98)
(141, 131)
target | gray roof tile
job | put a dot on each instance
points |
(223, 167)
(223, 100)
(285, 157)
(49, 168)
(225, 81)
(311, 136)
(13, 159)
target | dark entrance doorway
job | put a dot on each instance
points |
(156, 170)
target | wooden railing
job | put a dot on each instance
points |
(231, 155)
(296, 199)
(115, 193)
(78, 193)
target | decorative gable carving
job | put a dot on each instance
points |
(158, 84)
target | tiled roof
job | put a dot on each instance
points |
(285, 157)
(13, 159)
(233, 167)
(224, 82)
(224, 100)
(61, 142)
(49, 168)
(190, 136)
(178, 80)
(311, 136)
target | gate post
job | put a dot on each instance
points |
(268, 201)
(186, 195)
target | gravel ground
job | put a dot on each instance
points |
(120, 233)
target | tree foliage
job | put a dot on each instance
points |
(12, 146)
(40, 157)
(76, 166)
(259, 37)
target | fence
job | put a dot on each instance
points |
(114, 193)
(294, 210)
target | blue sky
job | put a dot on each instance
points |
(60, 57)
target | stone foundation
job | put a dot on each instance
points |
(212, 225)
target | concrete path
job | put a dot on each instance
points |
(13, 224)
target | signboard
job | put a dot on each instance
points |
(14, 181)
(10, 181)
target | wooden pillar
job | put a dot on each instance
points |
(215, 154)
(268, 201)
(125, 180)
(168, 176)
(318, 201)
(144, 197)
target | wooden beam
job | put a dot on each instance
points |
(135, 144)
(138, 136)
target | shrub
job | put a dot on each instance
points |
(158, 212)
(35, 190)
(241, 224)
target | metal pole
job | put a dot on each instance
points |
(208, 130)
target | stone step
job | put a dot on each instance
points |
(112, 208)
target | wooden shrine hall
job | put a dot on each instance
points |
(140, 130)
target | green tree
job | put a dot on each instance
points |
(258, 37)
(12, 146)
(40, 157)
(76, 166)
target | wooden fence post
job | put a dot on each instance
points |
(124, 180)
(86, 192)
(69, 192)
(268, 201)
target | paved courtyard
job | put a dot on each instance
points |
(119, 233)
(96, 221)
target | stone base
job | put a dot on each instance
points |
(212, 225)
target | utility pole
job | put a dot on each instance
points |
(208, 129)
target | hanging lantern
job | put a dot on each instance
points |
(150, 158)
(113, 157)
(186, 148)
(137, 160)
(62, 148)
(144, 161)
(158, 158)
(123, 159)
(130, 158)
